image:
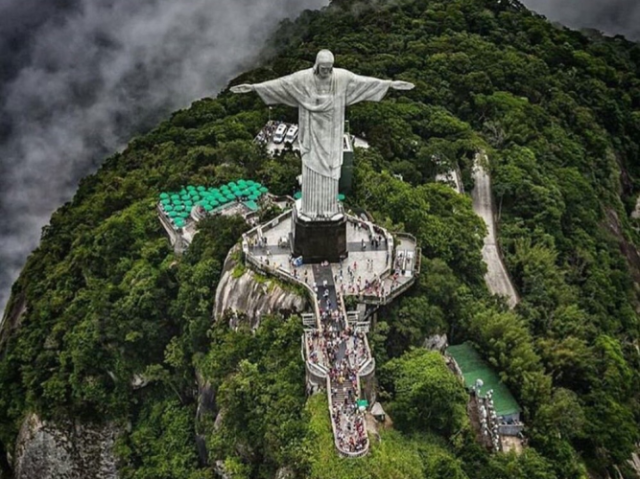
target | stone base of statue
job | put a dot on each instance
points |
(319, 240)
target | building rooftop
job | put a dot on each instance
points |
(473, 367)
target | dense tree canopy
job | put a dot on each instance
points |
(104, 299)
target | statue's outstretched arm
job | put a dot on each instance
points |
(402, 85)
(244, 88)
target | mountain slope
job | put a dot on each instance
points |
(558, 115)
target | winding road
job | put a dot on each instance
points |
(497, 278)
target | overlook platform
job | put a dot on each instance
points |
(335, 348)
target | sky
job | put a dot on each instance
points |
(78, 78)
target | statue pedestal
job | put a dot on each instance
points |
(318, 241)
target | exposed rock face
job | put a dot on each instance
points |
(245, 294)
(77, 451)
(12, 318)
(436, 342)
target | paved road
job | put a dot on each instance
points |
(497, 278)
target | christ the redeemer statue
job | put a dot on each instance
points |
(321, 94)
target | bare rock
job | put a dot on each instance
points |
(436, 342)
(284, 473)
(221, 470)
(246, 294)
(72, 451)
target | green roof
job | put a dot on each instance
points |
(474, 367)
(251, 205)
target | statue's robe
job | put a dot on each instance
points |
(321, 128)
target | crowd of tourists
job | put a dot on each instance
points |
(347, 417)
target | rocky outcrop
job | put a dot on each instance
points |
(75, 451)
(436, 342)
(241, 291)
(12, 318)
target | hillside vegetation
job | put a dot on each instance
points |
(558, 114)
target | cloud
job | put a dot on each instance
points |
(609, 16)
(78, 78)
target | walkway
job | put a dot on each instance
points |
(334, 349)
(497, 278)
(345, 351)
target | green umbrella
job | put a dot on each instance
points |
(179, 208)
(297, 195)
(165, 201)
(191, 188)
(231, 184)
(164, 196)
(175, 197)
(184, 214)
(231, 197)
(340, 197)
(215, 203)
(263, 189)
(173, 214)
(196, 197)
(208, 207)
(179, 222)
(183, 191)
(201, 188)
(185, 197)
(242, 183)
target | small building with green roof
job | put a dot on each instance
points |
(473, 367)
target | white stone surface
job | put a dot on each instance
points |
(368, 264)
(321, 95)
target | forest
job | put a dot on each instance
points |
(104, 298)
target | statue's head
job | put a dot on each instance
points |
(324, 64)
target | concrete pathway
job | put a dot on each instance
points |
(497, 278)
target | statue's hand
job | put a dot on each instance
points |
(402, 85)
(245, 88)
